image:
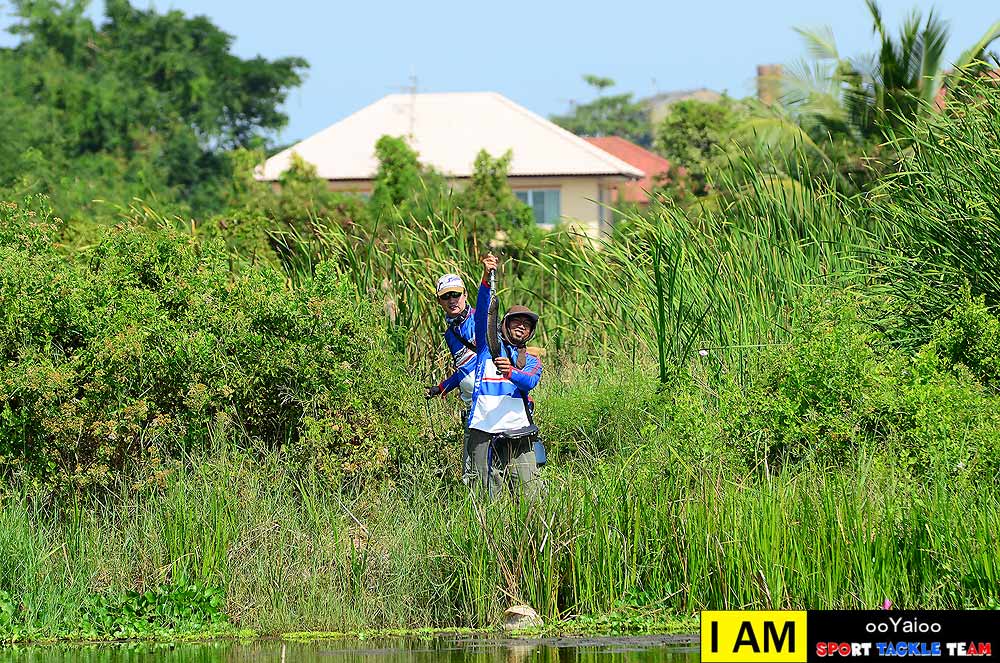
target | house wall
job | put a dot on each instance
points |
(351, 186)
(577, 201)
(574, 205)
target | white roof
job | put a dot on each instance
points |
(448, 130)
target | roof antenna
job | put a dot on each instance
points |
(411, 90)
(412, 87)
(571, 102)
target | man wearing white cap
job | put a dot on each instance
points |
(461, 340)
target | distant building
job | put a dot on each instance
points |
(769, 83)
(558, 174)
(659, 104)
(653, 165)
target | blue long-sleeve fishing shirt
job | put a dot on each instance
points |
(461, 327)
(500, 404)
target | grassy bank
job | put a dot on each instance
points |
(634, 544)
(641, 525)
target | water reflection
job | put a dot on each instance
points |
(466, 649)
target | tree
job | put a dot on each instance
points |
(157, 94)
(869, 96)
(696, 137)
(398, 180)
(599, 82)
(616, 115)
(171, 68)
(488, 203)
(491, 213)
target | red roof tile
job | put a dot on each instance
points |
(649, 163)
(940, 98)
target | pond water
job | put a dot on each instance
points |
(453, 649)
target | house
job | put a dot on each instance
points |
(560, 175)
(653, 165)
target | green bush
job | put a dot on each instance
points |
(152, 349)
(838, 389)
(606, 411)
(940, 421)
(596, 412)
(811, 396)
(970, 337)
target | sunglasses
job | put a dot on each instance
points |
(449, 295)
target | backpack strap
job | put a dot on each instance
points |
(461, 339)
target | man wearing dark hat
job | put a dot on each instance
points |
(501, 426)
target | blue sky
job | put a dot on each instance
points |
(536, 52)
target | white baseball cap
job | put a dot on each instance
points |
(450, 283)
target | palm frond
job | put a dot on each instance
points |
(866, 68)
(819, 42)
(969, 58)
(877, 26)
(782, 135)
(909, 56)
(975, 52)
(812, 89)
(932, 42)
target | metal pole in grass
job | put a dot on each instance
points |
(661, 316)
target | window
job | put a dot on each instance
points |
(543, 202)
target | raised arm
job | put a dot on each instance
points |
(483, 301)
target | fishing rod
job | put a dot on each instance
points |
(493, 344)
(492, 327)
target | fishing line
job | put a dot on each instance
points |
(427, 402)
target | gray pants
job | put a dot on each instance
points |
(500, 462)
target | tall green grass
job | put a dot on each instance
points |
(940, 212)
(640, 534)
(666, 283)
